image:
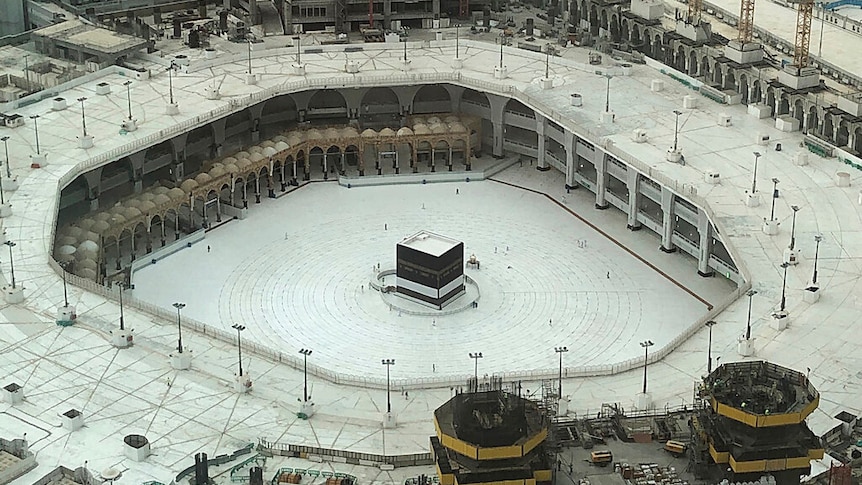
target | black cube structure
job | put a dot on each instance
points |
(430, 269)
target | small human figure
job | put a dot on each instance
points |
(406, 395)
(495, 249)
(507, 249)
(399, 313)
(285, 236)
(209, 249)
(550, 322)
(385, 226)
(609, 275)
(457, 191)
(423, 206)
(362, 288)
(570, 469)
(433, 367)
(433, 322)
(378, 266)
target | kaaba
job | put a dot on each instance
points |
(429, 269)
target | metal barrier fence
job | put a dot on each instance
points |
(285, 449)
(457, 78)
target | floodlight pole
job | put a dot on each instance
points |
(754, 175)
(561, 351)
(709, 324)
(171, 81)
(249, 62)
(457, 35)
(817, 239)
(63, 266)
(35, 119)
(784, 287)
(128, 85)
(646, 345)
(179, 306)
(5, 141)
(239, 328)
(793, 227)
(305, 353)
(11, 262)
(676, 129)
(750, 294)
(388, 363)
(83, 115)
(122, 286)
(774, 196)
(608, 94)
(476, 356)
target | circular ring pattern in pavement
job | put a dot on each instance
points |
(296, 273)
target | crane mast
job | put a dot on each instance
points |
(746, 21)
(803, 33)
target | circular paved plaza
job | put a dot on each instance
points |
(296, 274)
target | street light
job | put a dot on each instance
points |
(793, 227)
(676, 129)
(298, 51)
(64, 265)
(774, 196)
(561, 351)
(709, 325)
(249, 56)
(405, 51)
(83, 115)
(750, 293)
(305, 353)
(646, 345)
(457, 35)
(388, 363)
(502, 41)
(547, 59)
(171, 80)
(128, 84)
(5, 141)
(754, 174)
(817, 239)
(11, 262)
(179, 306)
(35, 119)
(239, 328)
(476, 356)
(784, 288)
(122, 286)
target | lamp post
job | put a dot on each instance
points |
(774, 196)
(646, 345)
(2, 198)
(502, 41)
(750, 294)
(547, 59)
(249, 55)
(11, 262)
(128, 85)
(608, 94)
(561, 351)
(5, 141)
(388, 363)
(35, 119)
(239, 328)
(83, 115)
(171, 81)
(122, 286)
(179, 306)
(405, 51)
(305, 353)
(476, 356)
(709, 325)
(784, 288)
(63, 266)
(457, 35)
(817, 239)
(299, 50)
(793, 227)
(754, 174)
(676, 129)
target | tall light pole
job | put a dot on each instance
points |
(561, 351)
(547, 59)
(83, 114)
(676, 129)
(11, 262)
(476, 356)
(784, 288)
(249, 56)
(5, 141)
(793, 227)
(179, 306)
(750, 294)
(388, 363)
(2, 198)
(299, 50)
(646, 345)
(608, 94)
(817, 239)
(774, 196)
(305, 353)
(405, 51)
(239, 328)
(709, 325)
(457, 35)
(35, 119)
(171, 81)
(502, 41)
(122, 286)
(64, 266)
(754, 174)
(128, 85)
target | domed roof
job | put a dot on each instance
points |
(73, 231)
(160, 190)
(452, 119)
(332, 133)
(162, 199)
(256, 157)
(433, 119)
(176, 193)
(131, 212)
(188, 185)
(282, 145)
(313, 134)
(144, 196)
(279, 138)
(88, 245)
(295, 138)
(369, 133)
(65, 254)
(404, 132)
(243, 163)
(439, 128)
(87, 263)
(217, 172)
(133, 202)
(267, 143)
(387, 132)
(101, 226)
(89, 236)
(232, 168)
(87, 273)
(202, 178)
(85, 223)
(421, 129)
(269, 151)
(457, 127)
(228, 160)
(102, 216)
(147, 206)
(118, 219)
(255, 149)
(66, 240)
(349, 132)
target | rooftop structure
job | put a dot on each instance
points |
(430, 243)
(76, 40)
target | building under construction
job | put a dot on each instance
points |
(491, 436)
(752, 423)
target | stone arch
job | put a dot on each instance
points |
(770, 99)
(705, 68)
(799, 111)
(625, 31)
(730, 81)
(693, 69)
(279, 111)
(680, 59)
(743, 88)
(327, 104)
(615, 27)
(603, 20)
(118, 170)
(828, 127)
(475, 97)
(756, 92)
(718, 76)
(813, 120)
(380, 99)
(636, 36)
(842, 136)
(518, 107)
(334, 161)
(594, 19)
(857, 142)
(783, 105)
(429, 98)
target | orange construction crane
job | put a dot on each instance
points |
(803, 33)
(695, 7)
(746, 22)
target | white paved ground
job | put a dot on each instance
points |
(293, 273)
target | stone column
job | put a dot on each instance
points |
(633, 184)
(704, 228)
(571, 160)
(541, 125)
(601, 163)
(668, 221)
